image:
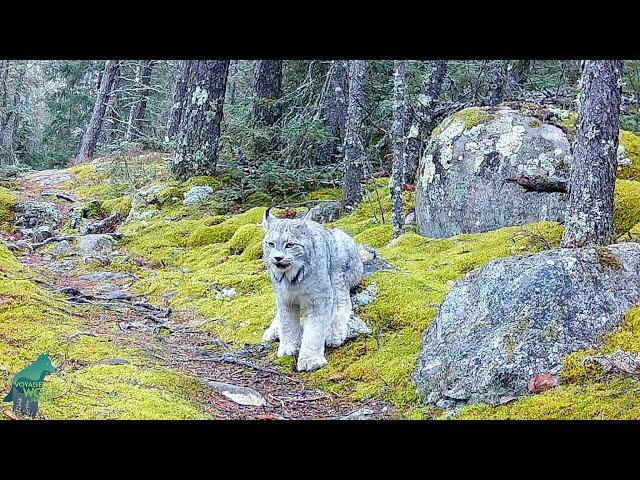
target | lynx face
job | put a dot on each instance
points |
(284, 248)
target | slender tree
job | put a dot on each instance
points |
(92, 133)
(199, 132)
(138, 109)
(521, 72)
(593, 172)
(10, 110)
(398, 146)
(424, 115)
(179, 98)
(267, 91)
(334, 111)
(354, 147)
(498, 78)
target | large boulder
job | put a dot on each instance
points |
(491, 167)
(517, 317)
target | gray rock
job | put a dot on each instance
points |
(356, 327)
(95, 245)
(517, 317)
(237, 394)
(326, 212)
(39, 234)
(462, 182)
(363, 413)
(62, 247)
(61, 266)
(197, 194)
(372, 260)
(104, 276)
(31, 215)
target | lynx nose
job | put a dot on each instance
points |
(278, 259)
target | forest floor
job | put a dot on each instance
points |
(102, 301)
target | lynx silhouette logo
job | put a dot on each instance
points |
(26, 388)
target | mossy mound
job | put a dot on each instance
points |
(631, 144)
(7, 202)
(33, 321)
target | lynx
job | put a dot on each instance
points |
(312, 270)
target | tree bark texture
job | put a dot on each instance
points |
(593, 172)
(199, 133)
(135, 125)
(398, 146)
(92, 133)
(354, 147)
(334, 112)
(179, 98)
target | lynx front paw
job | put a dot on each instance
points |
(270, 334)
(285, 349)
(308, 364)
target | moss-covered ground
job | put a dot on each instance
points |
(187, 255)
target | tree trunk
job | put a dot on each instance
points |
(593, 172)
(267, 87)
(179, 98)
(334, 111)
(354, 148)
(423, 117)
(112, 116)
(10, 115)
(398, 145)
(138, 109)
(91, 135)
(522, 71)
(498, 77)
(199, 133)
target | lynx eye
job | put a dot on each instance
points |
(271, 244)
(289, 245)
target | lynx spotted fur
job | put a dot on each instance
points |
(312, 270)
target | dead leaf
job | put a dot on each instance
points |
(336, 378)
(541, 382)
(450, 283)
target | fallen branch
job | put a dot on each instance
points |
(33, 246)
(105, 225)
(60, 195)
(227, 358)
(539, 184)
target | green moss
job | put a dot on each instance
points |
(7, 202)
(626, 212)
(470, 116)
(614, 399)
(33, 321)
(631, 144)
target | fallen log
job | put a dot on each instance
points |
(540, 184)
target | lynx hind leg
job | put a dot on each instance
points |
(340, 314)
(272, 333)
(350, 262)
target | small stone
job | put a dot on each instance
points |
(363, 413)
(95, 245)
(226, 293)
(197, 194)
(61, 248)
(241, 395)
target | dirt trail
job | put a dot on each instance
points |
(172, 339)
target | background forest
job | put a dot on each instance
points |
(46, 106)
(132, 199)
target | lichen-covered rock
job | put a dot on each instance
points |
(478, 169)
(518, 317)
(32, 215)
(95, 245)
(326, 212)
(197, 194)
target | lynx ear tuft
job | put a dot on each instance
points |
(268, 219)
